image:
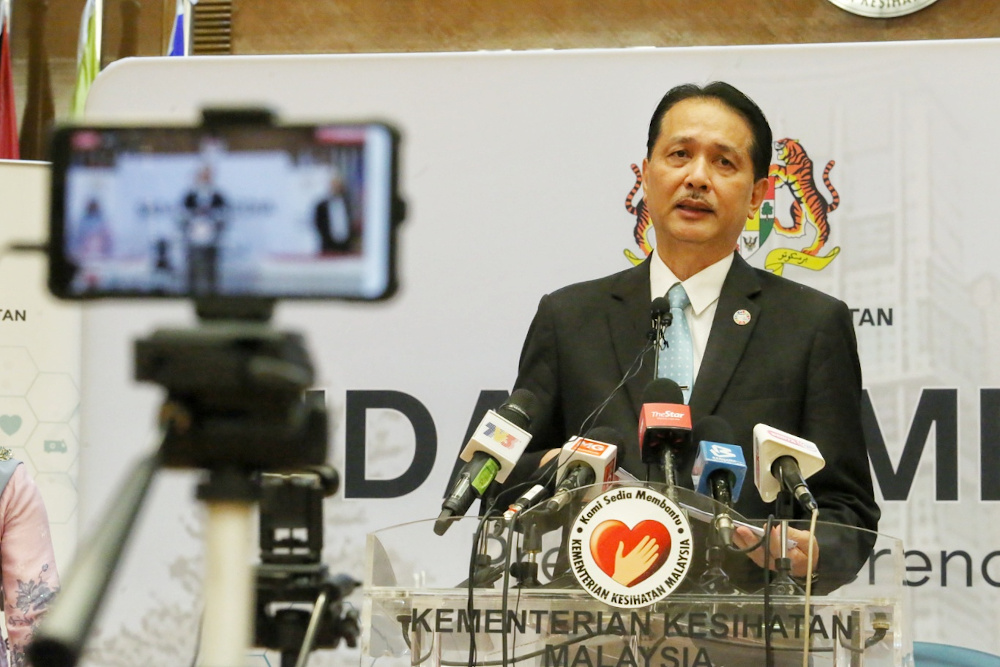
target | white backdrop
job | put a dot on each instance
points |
(39, 355)
(516, 167)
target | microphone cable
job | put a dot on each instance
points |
(768, 610)
(809, 581)
(632, 371)
(470, 608)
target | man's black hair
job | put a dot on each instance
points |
(760, 149)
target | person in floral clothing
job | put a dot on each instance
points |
(27, 560)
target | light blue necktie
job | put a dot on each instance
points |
(677, 358)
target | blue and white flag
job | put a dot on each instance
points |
(180, 33)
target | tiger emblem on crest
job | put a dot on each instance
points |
(809, 208)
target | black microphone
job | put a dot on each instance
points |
(495, 446)
(584, 462)
(664, 426)
(659, 313)
(718, 470)
(784, 461)
(542, 481)
(661, 318)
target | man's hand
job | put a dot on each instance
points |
(628, 568)
(798, 554)
(548, 456)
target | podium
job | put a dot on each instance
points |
(527, 607)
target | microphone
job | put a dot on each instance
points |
(718, 470)
(583, 462)
(664, 426)
(659, 313)
(538, 492)
(783, 461)
(661, 318)
(495, 446)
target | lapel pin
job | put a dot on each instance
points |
(741, 317)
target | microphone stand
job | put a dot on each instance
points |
(715, 580)
(782, 582)
(526, 571)
(669, 474)
(533, 524)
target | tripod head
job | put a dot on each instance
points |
(234, 396)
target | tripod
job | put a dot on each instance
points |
(234, 407)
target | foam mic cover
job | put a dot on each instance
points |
(664, 420)
(588, 461)
(597, 451)
(490, 455)
(659, 311)
(503, 433)
(717, 459)
(774, 449)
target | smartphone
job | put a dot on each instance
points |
(241, 210)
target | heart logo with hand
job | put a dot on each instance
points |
(630, 555)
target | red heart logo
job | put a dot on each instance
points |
(608, 535)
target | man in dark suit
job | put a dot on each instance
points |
(202, 224)
(766, 350)
(334, 219)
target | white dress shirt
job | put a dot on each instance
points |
(703, 290)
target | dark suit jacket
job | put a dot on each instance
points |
(214, 210)
(794, 366)
(321, 220)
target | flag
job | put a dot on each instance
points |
(39, 111)
(179, 40)
(8, 110)
(88, 54)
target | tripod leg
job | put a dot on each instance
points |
(307, 642)
(229, 577)
(61, 638)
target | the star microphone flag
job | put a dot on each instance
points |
(88, 54)
(8, 110)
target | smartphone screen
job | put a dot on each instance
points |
(224, 211)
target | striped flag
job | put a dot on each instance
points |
(8, 109)
(88, 54)
(178, 34)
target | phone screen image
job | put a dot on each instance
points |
(231, 211)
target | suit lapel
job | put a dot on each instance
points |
(728, 339)
(628, 321)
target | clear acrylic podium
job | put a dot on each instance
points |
(419, 609)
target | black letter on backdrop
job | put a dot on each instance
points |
(938, 407)
(356, 484)
(989, 444)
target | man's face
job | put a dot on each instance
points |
(698, 181)
(205, 176)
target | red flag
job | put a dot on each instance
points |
(8, 110)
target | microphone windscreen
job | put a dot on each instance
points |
(663, 390)
(713, 429)
(659, 306)
(519, 408)
(717, 451)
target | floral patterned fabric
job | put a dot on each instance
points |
(30, 579)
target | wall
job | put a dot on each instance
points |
(359, 26)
